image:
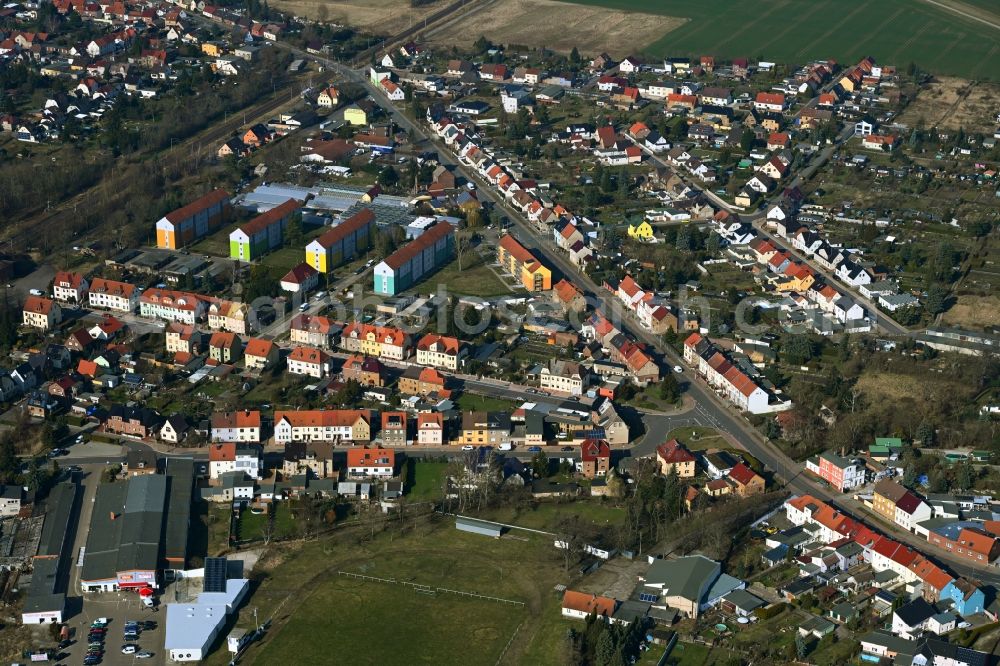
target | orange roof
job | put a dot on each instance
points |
(38, 305)
(383, 334)
(273, 216)
(371, 458)
(677, 98)
(393, 420)
(248, 418)
(67, 279)
(448, 345)
(87, 368)
(308, 355)
(322, 418)
(222, 339)
(770, 98)
(258, 347)
(112, 287)
(198, 205)
(431, 376)
(566, 291)
(976, 540)
(222, 452)
(430, 420)
(178, 300)
(588, 603)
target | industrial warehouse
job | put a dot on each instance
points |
(138, 530)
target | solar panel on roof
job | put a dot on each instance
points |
(215, 574)
(645, 596)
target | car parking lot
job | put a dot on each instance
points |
(118, 608)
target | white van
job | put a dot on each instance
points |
(506, 446)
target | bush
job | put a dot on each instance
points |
(770, 611)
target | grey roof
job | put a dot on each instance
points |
(744, 600)
(686, 577)
(180, 472)
(125, 528)
(889, 641)
(58, 509)
(915, 612)
(41, 595)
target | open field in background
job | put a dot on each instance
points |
(894, 31)
(952, 103)
(559, 26)
(383, 17)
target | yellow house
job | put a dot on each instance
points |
(642, 231)
(521, 264)
(800, 284)
(213, 49)
(355, 116)
(847, 83)
(371, 345)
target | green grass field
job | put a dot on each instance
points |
(375, 623)
(794, 31)
(322, 617)
(424, 480)
(475, 278)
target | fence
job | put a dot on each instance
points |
(427, 589)
(507, 646)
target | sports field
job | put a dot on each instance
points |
(792, 31)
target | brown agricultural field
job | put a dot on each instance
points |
(951, 103)
(383, 17)
(556, 25)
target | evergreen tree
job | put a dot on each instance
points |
(574, 56)
(925, 434)
(606, 649)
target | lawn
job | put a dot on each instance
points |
(283, 260)
(424, 480)
(472, 402)
(392, 624)
(695, 654)
(793, 31)
(250, 526)
(547, 515)
(697, 438)
(476, 278)
(300, 591)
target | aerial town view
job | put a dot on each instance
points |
(500, 332)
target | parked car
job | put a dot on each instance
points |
(678, 368)
(144, 655)
(468, 447)
(129, 649)
(534, 449)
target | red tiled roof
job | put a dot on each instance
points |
(322, 417)
(198, 205)
(592, 449)
(371, 458)
(273, 216)
(589, 603)
(674, 452)
(308, 355)
(427, 239)
(357, 221)
(742, 474)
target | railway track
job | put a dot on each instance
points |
(21, 235)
